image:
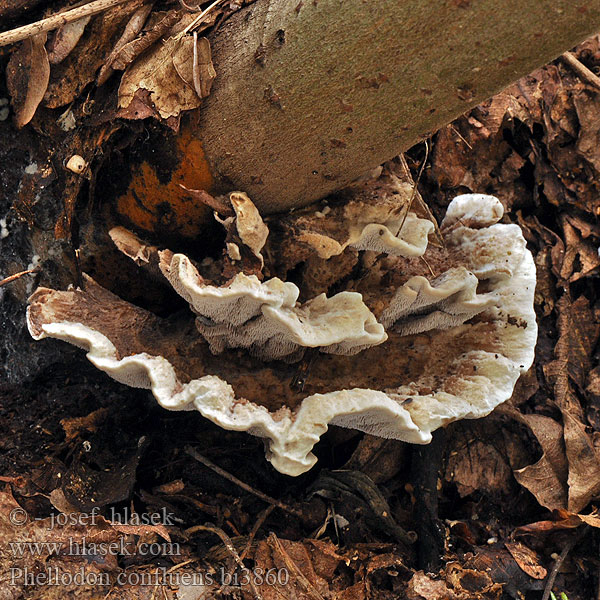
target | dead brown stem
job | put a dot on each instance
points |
(56, 21)
(259, 523)
(561, 558)
(18, 276)
(206, 462)
(588, 76)
(230, 548)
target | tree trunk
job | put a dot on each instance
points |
(311, 94)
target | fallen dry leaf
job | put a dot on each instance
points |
(27, 76)
(65, 39)
(423, 587)
(584, 464)
(75, 426)
(203, 71)
(563, 520)
(593, 395)
(309, 565)
(498, 565)
(79, 68)
(160, 23)
(133, 27)
(527, 559)
(547, 478)
(481, 458)
(167, 73)
(579, 333)
(378, 458)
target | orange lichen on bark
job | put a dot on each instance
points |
(166, 207)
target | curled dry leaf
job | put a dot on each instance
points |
(424, 587)
(167, 73)
(584, 464)
(65, 39)
(133, 27)
(249, 224)
(527, 559)
(547, 478)
(27, 77)
(155, 30)
(562, 519)
(203, 70)
(78, 69)
(579, 333)
(310, 565)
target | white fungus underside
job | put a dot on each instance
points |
(266, 318)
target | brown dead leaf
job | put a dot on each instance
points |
(60, 502)
(74, 427)
(423, 587)
(563, 519)
(593, 519)
(65, 39)
(160, 24)
(593, 396)
(59, 547)
(79, 68)
(584, 464)
(580, 258)
(203, 70)
(87, 487)
(480, 458)
(308, 566)
(586, 228)
(378, 458)
(167, 73)
(133, 27)
(578, 335)
(588, 113)
(547, 478)
(498, 565)
(527, 559)
(27, 76)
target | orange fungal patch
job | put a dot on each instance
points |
(167, 208)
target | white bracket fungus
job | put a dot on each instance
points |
(408, 355)
(266, 317)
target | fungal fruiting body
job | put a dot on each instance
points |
(411, 335)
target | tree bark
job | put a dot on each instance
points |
(311, 94)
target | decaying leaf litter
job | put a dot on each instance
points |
(515, 488)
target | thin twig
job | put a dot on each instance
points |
(230, 547)
(259, 523)
(414, 191)
(56, 21)
(268, 499)
(589, 76)
(427, 265)
(18, 276)
(461, 137)
(200, 17)
(561, 558)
